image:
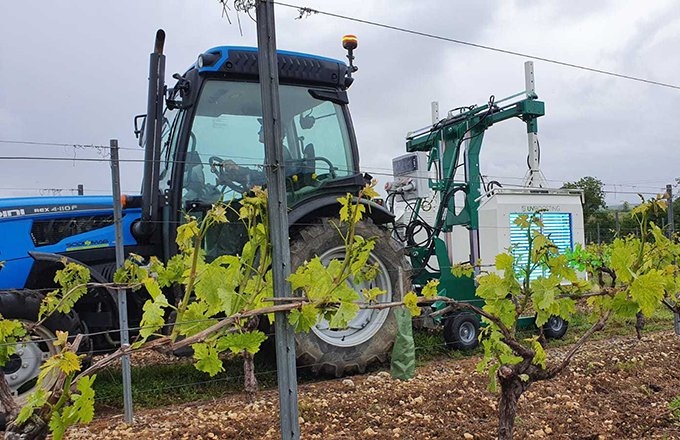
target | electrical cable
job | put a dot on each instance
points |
(480, 46)
(77, 146)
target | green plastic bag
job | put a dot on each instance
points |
(403, 365)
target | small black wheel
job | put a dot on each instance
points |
(461, 331)
(555, 328)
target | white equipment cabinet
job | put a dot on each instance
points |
(561, 214)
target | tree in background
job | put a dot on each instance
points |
(593, 195)
(600, 225)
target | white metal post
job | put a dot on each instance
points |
(534, 177)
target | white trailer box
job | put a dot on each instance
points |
(561, 212)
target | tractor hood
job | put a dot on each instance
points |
(29, 206)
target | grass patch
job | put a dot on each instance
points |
(160, 385)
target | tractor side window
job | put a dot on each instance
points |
(172, 119)
(324, 139)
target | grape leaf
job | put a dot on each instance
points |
(186, 234)
(206, 358)
(345, 313)
(648, 291)
(505, 262)
(36, 399)
(430, 290)
(411, 303)
(304, 318)
(491, 287)
(153, 318)
(238, 342)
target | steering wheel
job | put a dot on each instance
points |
(331, 169)
(236, 177)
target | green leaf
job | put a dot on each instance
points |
(216, 288)
(35, 400)
(491, 287)
(186, 234)
(462, 270)
(510, 359)
(539, 356)
(522, 221)
(173, 271)
(544, 291)
(304, 318)
(73, 279)
(505, 262)
(152, 287)
(345, 313)
(345, 293)
(10, 332)
(238, 342)
(345, 203)
(66, 361)
(623, 306)
(431, 289)
(411, 303)
(371, 295)
(504, 309)
(82, 408)
(206, 358)
(154, 316)
(194, 319)
(623, 256)
(369, 192)
(57, 425)
(648, 291)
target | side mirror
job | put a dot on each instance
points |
(140, 123)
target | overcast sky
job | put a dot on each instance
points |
(75, 72)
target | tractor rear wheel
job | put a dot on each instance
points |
(371, 334)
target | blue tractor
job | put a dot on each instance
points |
(202, 144)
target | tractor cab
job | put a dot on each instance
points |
(215, 146)
(206, 144)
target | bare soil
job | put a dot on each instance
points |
(616, 389)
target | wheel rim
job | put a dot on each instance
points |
(367, 322)
(22, 370)
(467, 332)
(555, 323)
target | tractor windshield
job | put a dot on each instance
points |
(225, 155)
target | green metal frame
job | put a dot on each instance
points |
(445, 140)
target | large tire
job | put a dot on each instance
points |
(371, 334)
(461, 331)
(21, 371)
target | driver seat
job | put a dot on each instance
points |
(194, 178)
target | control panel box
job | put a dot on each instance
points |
(411, 176)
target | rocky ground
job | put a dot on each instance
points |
(616, 389)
